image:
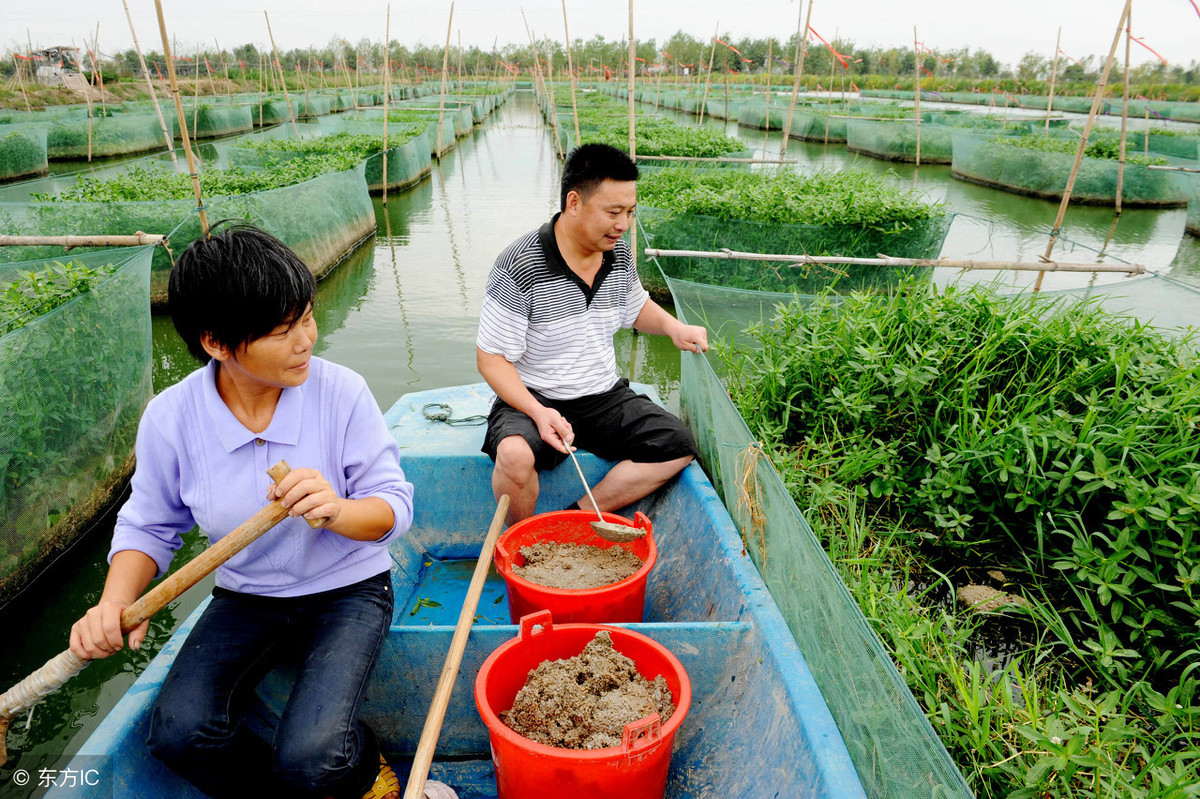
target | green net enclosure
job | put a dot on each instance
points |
(1044, 174)
(270, 112)
(311, 106)
(322, 219)
(208, 121)
(373, 126)
(408, 155)
(897, 141)
(121, 134)
(22, 151)
(1192, 181)
(73, 383)
(895, 750)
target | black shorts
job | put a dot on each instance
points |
(618, 424)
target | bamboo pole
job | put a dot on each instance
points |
(87, 95)
(282, 78)
(829, 100)
(884, 260)
(445, 67)
(631, 98)
(387, 91)
(917, 90)
(708, 76)
(1087, 131)
(547, 97)
(801, 52)
(183, 131)
(1124, 114)
(97, 72)
(308, 78)
(767, 89)
(571, 69)
(225, 68)
(1053, 77)
(196, 92)
(138, 239)
(427, 743)
(21, 79)
(150, 85)
(212, 82)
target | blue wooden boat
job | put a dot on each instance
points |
(758, 725)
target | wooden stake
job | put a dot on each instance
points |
(767, 89)
(1124, 113)
(282, 78)
(225, 68)
(801, 52)
(1087, 131)
(87, 96)
(708, 77)
(917, 90)
(387, 91)
(150, 85)
(571, 69)
(1053, 77)
(196, 94)
(97, 73)
(633, 239)
(183, 131)
(21, 79)
(445, 68)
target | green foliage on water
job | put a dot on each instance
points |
(159, 183)
(828, 197)
(355, 145)
(21, 154)
(1106, 148)
(27, 295)
(1047, 438)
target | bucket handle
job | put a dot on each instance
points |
(540, 618)
(643, 521)
(641, 733)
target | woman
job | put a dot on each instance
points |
(318, 599)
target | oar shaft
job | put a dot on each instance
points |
(61, 668)
(441, 695)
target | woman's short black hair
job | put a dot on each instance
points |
(236, 286)
(589, 165)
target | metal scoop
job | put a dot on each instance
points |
(609, 531)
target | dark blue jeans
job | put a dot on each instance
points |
(331, 639)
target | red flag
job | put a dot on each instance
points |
(1148, 47)
(836, 54)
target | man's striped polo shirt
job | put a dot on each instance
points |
(549, 324)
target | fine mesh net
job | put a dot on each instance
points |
(22, 151)
(115, 135)
(322, 219)
(73, 383)
(1044, 174)
(894, 748)
(207, 121)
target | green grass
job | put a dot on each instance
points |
(28, 295)
(157, 183)
(957, 432)
(844, 197)
(1105, 148)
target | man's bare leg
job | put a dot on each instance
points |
(628, 481)
(515, 475)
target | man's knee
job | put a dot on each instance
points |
(514, 458)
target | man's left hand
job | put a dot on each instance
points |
(690, 338)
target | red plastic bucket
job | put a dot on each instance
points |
(621, 602)
(637, 769)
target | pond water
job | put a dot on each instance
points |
(403, 310)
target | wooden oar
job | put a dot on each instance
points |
(55, 673)
(441, 696)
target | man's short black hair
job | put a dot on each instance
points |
(589, 165)
(237, 286)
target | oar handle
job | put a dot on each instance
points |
(441, 695)
(61, 668)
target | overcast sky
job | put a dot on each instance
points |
(1006, 28)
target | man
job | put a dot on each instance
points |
(554, 299)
